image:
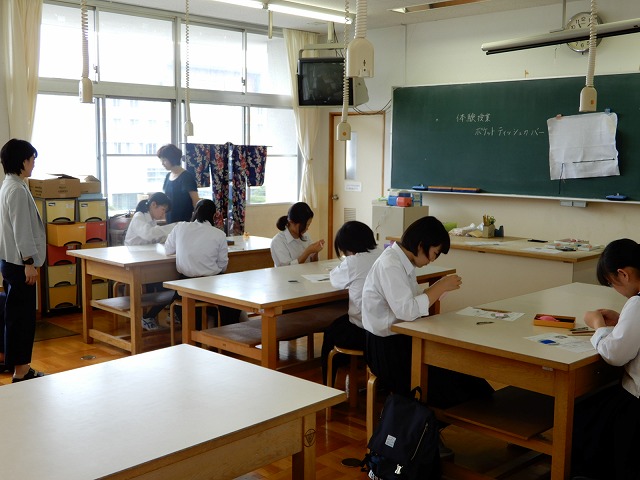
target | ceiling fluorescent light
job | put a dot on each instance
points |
(610, 29)
(309, 11)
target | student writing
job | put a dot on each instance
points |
(354, 240)
(292, 245)
(144, 230)
(606, 431)
(390, 295)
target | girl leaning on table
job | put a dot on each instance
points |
(292, 246)
(144, 230)
(391, 295)
(606, 433)
(201, 249)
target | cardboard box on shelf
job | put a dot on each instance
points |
(90, 184)
(55, 186)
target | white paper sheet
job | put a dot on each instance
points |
(488, 313)
(317, 277)
(583, 146)
(566, 342)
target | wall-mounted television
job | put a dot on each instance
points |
(320, 83)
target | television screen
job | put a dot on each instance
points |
(320, 82)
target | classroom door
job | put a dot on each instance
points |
(358, 171)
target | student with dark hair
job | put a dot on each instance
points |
(23, 247)
(201, 250)
(606, 431)
(356, 242)
(179, 185)
(144, 230)
(391, 294)
(291, 245)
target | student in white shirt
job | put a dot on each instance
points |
(144, 230)
(391, 294)
(356, 242)
(291, 245)
(606, 432)
(201, 250)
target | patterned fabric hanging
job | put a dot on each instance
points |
(228, 169)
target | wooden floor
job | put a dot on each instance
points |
(344, 437)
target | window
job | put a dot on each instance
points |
(135, 129)
(136, 107)
(136, 50)
(216, 59)
(272, 127)
(64, 133)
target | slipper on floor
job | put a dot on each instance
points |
(30, 374)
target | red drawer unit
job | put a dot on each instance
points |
(58, 255)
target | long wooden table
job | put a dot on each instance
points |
(504, 267)
(500, 351)
(139, 265)
(269, 292)
(178, 412)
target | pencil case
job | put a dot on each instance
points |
(558, 322)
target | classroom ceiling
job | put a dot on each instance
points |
(379, 12)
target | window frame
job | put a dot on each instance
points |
(103, 90)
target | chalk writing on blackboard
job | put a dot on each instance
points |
(507, 132)
(473, 117)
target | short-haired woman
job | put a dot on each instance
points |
(179, 185)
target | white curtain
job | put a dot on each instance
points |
(21, 49)
(307, 118)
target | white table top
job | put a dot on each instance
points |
(508, 338)
(144, 254)
(101, 419)
(269, 287)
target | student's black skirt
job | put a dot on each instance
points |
(389, 358)
(606, 436)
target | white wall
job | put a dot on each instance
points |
(449, 51)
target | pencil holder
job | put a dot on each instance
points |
(488, 231)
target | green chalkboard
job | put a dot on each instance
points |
(493, 136)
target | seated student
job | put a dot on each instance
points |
(144, 230)
(606, 431)
(390, 295)
(291, 245)
(201, 249)
(356, 242)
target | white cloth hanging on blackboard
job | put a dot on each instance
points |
(582, 146)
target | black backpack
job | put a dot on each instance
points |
(404, 445)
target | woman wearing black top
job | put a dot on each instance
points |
(179, 185)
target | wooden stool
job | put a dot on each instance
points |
(172, 324)
(371, 418)
(353, 371)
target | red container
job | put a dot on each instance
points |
(58, 255)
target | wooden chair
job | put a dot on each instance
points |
(178, 303)
(370, 417)
(353, 372)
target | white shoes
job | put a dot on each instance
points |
(149, 324)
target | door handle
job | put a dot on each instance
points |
(335, 197)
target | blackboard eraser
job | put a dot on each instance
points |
(438, 188)
(617, 197)
(420, 188)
